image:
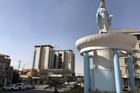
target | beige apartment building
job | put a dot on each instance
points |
(6, 71)
(52, 63)
(136, 60)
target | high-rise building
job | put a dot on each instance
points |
(43, 56)
(50, 62)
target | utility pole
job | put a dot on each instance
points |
(19, 65)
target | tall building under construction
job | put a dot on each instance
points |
(50, 62)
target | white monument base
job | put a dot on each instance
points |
(102, 80)
(102, 72)
(103, 48)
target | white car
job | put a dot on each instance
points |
(29, 86)
(10, 87)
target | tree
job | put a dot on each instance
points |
(67, 76)
(16, 77)
(29, 80)
(55, 82)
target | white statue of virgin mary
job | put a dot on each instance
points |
(103, 18)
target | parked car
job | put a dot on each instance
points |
(29, 86)
(10, 87)
(21, 86)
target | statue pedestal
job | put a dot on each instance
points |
(102, 73)
(102, 80)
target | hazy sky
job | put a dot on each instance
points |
(25, 23)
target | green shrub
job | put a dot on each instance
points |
(1, 91)
(76, 90)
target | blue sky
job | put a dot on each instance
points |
(25, 23)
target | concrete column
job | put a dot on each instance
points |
(117, 70)
(33, 64)
(87, 80)
(57, 61)
(131, 72)
(40, 51)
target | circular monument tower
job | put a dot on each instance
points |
(104, 48)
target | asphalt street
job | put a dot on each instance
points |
(30, 91)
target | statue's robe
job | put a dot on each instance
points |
(103, 20)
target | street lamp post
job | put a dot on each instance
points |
(19, 65)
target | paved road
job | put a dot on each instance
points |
(31, 91)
